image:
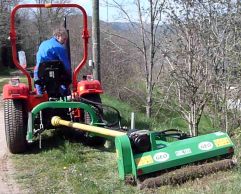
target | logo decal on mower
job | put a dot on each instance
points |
(144, 160)
(161, 157)
(219, 133)
(222, 142)
(183, 152)
(206, 145)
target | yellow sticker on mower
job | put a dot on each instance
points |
(144, 160)
(222, 142)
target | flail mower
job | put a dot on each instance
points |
(139, 153)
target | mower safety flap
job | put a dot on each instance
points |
(184, 152)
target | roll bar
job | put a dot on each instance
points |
(85, 36)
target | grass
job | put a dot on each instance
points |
(64, 166)
(141, 122)
(67, 167)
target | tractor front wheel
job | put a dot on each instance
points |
(15, 117)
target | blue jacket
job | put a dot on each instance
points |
(51, 50)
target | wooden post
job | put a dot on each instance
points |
(96, 39)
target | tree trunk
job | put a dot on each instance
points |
(193, 120)
(148, 105)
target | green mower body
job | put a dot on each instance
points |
(165, 155)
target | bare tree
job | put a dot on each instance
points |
(37, 25)
(197, 48)
(5, 8)
(143, 36)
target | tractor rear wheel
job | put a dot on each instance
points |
(15, 118)
(89, 139)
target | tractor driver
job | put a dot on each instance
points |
(50, 50)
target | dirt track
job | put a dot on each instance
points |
(7, 184)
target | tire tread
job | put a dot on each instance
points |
(15, 125)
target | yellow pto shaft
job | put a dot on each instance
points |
(57, 121)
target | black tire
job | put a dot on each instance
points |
(89, 139)
(15, 118)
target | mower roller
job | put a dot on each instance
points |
(139, 152)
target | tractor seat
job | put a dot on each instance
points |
(51, 76)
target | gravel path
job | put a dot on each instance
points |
(7, 184)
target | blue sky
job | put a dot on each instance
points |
(87, 4)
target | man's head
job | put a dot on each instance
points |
(61, 35)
